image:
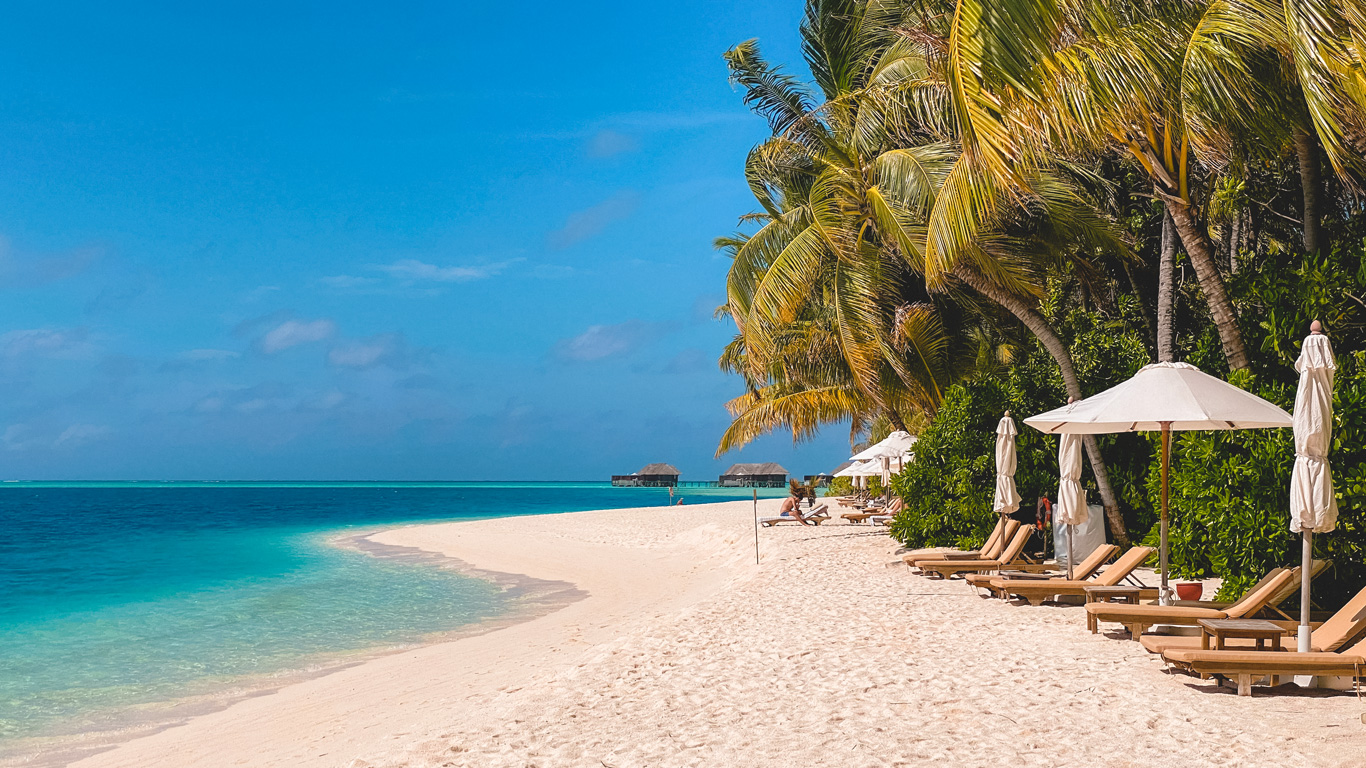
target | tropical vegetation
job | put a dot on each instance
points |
(974, 207)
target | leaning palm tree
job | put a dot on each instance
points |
(871, 191)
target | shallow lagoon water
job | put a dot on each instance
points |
(120, 595)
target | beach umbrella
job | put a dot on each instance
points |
(1006, 499)
(894, 445)
(1071, 507)
(1313, 505)
(1164, 397)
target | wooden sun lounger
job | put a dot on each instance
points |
(1011, 557)
(1037, 592)
(818, 515)
(990, 551)
(1327, 657)
(858, 517)
(1098, 557)
(1160, 643)
(1137, 618)
(945, 552)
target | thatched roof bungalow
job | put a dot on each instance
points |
(765, 475)
(657, 475)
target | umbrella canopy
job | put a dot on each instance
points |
(1164, 397)
(894, 445)
(861, 469)
(1313, 504)
(1175, 394)
(1071, 507)
(1006, 499)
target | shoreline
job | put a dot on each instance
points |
(521, 574)
(527, 598)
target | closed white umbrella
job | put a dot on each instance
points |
(1006, 499)
(1164, 397)
(1071, 507)
(1313, 504)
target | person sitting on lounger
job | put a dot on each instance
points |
(792, 507)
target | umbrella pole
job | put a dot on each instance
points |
(756, 525)
(1164, 594)
(1069, 553)
(1306, 571)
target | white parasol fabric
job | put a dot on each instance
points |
(1071, 507)
(894, 445)
(1006, 498)
(1177, 394)
(1313, 504)
(1164, 397)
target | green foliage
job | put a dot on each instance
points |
(1229, 490)
(840, 486)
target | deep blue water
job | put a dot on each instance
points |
(117, 595)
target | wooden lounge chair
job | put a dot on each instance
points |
(1036, 592)
(1098, 557)
(1137, 618)
(858, 517)
(1010, 557)
(990, 550)
(817, 515)
(1160, 643)
(1326, 657)
(936, 552)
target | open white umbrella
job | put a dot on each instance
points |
(1071, 507)
(1006, 499)
(894, 445)
(1313, 504)
(1164, 397)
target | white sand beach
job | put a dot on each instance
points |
(684, 653)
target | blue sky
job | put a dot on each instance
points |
(326, 241)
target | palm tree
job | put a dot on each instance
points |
(1260, 75)
(872, 188)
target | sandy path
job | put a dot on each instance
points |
(831, 653)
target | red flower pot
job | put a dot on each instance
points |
(1189, 590)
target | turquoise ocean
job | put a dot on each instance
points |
(120, 597)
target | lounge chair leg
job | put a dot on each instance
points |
(1092, 624)
(1244, 685)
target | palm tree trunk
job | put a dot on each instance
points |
(1038, 325)
(1307, 148)
(1166, 293)
(1201, 253)
(895, 417)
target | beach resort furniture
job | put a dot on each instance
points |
(1332, 654)
(1137, 618)
(990, 550)
(1219, 631)
(1083, 571)
(1037, 592)
(1290, 588)
(1332, 635)
(992, 538)
(817, 515)
(862, 515)
(1011, 557)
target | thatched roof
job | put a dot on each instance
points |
(658, 469)
(766, 468)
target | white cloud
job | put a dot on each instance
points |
(80, 434)
(589, 222)
(343, 282)
(292, 333)
(45, 342)
(609, 143)
(385, 349)
(418, 271)
(199, 355)
(603, 341)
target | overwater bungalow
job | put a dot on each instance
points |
(765, 475)
(649, 476)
